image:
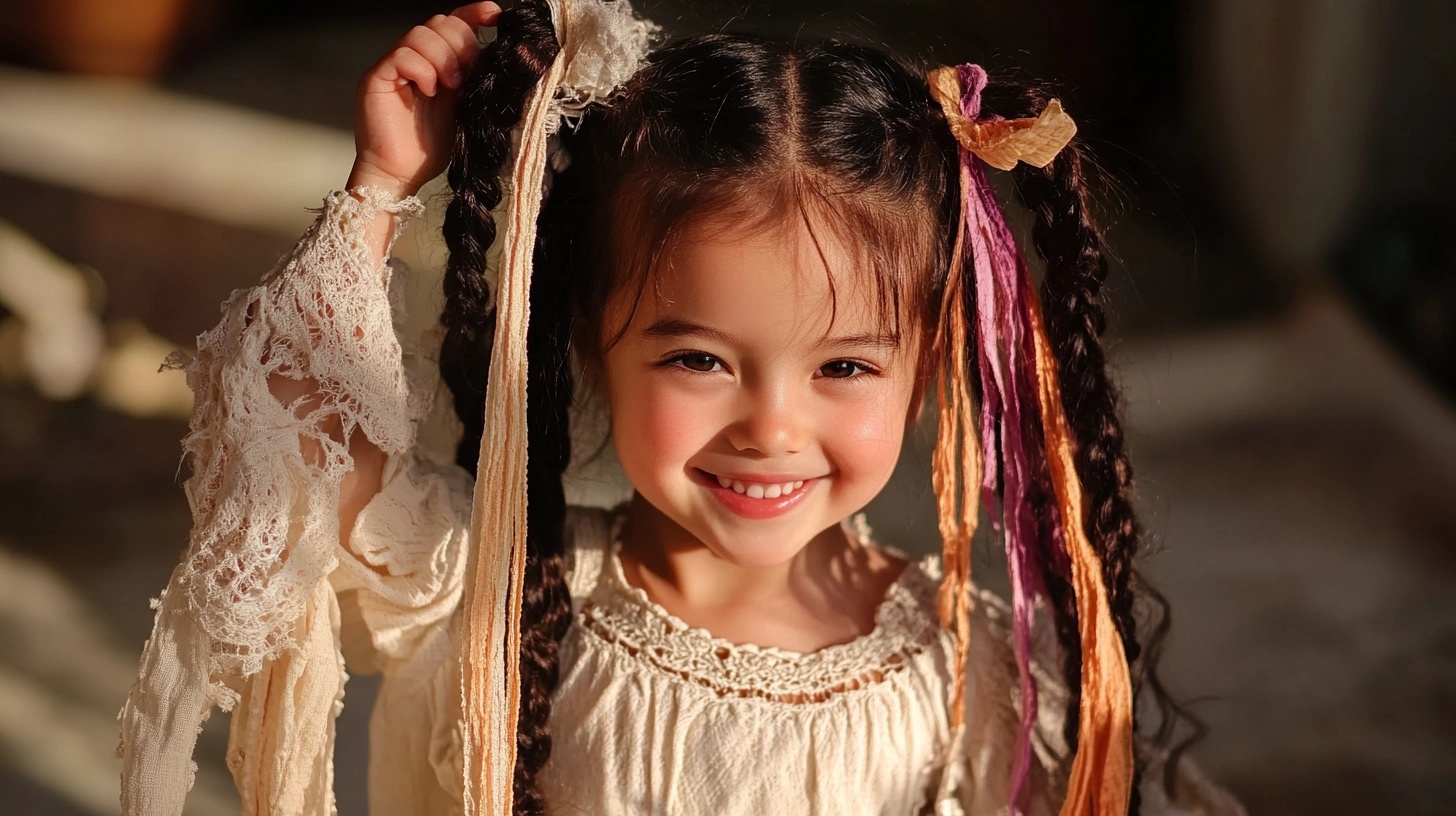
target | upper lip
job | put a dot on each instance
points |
(762, 478)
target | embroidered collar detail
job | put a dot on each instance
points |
(623, 617)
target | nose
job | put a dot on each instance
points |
(771, 422)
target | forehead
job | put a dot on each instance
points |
(785, 281)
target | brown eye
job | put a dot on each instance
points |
(840, 369)
(702, 363)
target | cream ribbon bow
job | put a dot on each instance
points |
(1001, 143)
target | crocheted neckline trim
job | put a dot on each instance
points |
(624, 617)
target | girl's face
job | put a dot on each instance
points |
(754, 403)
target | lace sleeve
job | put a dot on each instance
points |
(251, 598)
(323, 313)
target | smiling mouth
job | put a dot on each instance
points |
(758, 499)
(756, 489)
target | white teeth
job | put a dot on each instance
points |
(757, 490)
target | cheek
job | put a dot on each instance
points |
(867, 438)
(655, 425)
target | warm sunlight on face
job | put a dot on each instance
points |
(740, 414)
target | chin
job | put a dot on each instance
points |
(755, 548)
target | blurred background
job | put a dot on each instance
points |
(1283, 319)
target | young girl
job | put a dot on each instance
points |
(765, 258)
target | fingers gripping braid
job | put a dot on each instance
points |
(491, 104)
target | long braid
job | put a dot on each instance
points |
(1013, 100)
(1071, 245)
(1076, 272)
(546, 606)
(1076, 269)
(490, 105)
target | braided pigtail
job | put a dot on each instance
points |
(490, 105)
(546, 606)
(1071, 245)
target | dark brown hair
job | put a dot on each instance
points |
(767, 132)
(840, 135)
(490, 105)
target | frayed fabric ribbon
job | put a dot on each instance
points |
(1018, 376)
(602, 44)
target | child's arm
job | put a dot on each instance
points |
(304, 482)
(403, 136)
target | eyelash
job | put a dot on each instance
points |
(676, 359)
(864, 369)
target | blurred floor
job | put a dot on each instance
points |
(1298, 482)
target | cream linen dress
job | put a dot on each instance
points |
(650, 716)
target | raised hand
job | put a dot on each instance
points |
(405, 121)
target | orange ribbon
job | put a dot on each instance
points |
(1100, 782)
(1101, 777)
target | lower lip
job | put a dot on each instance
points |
(757, 509)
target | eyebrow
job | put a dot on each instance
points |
(669, 327)
(867, 339)
(686, 328)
